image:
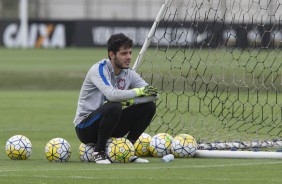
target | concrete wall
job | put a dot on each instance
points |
(227, 10)
(100, 9)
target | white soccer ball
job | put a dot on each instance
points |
(142, 145)
(58, 150)
(184, 146)
(18, 147)
(160, 144)
(119, 150)
(86, 153)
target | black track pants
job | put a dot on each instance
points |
(110, 120)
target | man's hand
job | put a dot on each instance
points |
(128, 102)
(146, 91)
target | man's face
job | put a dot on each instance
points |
(122, 58)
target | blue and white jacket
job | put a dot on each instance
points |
(101, 84)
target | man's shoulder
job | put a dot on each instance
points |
(99, 63)
(131, 72)
(103, 61)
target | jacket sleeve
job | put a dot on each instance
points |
(136, 80)
(101, 78)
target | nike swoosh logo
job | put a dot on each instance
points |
(124, 154)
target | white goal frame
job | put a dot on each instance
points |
(217, 148)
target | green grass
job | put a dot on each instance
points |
(38, 97)
(45, 69)
(179, 171)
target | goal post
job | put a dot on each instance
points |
(217, 65)
(23, 28)
(150, 35)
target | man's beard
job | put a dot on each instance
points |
(119, 65)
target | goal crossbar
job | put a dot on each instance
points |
(237, 154)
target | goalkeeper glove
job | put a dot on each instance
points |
(128, 102)
(146, 91)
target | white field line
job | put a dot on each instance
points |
(140, 168)
(34, 129)
(188, 178)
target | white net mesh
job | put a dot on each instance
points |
(218, 67)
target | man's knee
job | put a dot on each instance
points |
(150, 107)
(114, 108)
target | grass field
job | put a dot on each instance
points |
(38, 98)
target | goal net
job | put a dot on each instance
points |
(218, 66)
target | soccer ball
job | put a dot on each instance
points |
(58, 150)
(119, 150)
(160, 145)
(18, 147)
(142, 145)
(86, 153)
(183, 145)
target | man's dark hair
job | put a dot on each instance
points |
(116, 41)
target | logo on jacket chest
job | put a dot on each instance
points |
(121, 83)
